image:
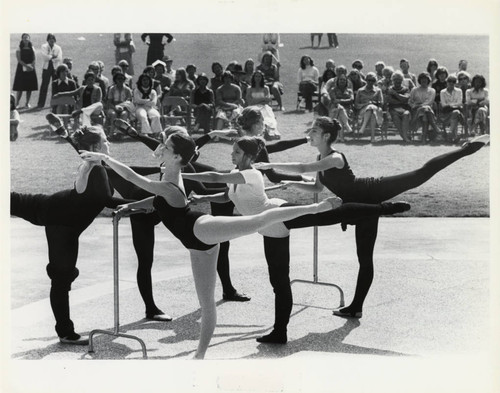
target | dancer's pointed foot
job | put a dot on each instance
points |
(389, 208)
(124, 127)
(347, 313)
(56, 122)
(273, 338)
(329, 204)
(159, 316)
(476, 143)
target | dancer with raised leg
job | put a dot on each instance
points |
(246, 190)
(334, 173)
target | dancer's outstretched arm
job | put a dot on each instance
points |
(162, 188)
(304, 186)
(216, 177)
(331, 161)
(221, 197)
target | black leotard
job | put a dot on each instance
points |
(180, 221)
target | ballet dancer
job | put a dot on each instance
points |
(334, 173)
(65, 215)
(248, 194)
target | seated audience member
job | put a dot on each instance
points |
(327, 75)
(397, 102)
(462, 66)
(421, 101)
(358, 65)
(440, 84)
(94, 67)
(89, 99)
(272, 77)
(451, 106)
(182, 86)
(369, 102)
(69, 63)
(15, 119)
(259, 97)
(228, 102)
(385, 83)
(249, 69)
(379, 67)
(339, 99)
(169, 71)
(356, 80)
(62, 84)
(150, 71)
(237, 74)
(463, 78)
(308, 80)
(165, 82)
(328, 85)
(119, 101)
(203, 103)
(477, 101)
(124, 67)
(432, 67)
(144, 98)
(191, 73)
(101, 73)
(216, 81)
(405, 68)
(330, 70)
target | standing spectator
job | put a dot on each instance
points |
(124, 67)
(25, 78)
(405, 68)
(14, 119)
(125, 48)
(440, 84)
(308, 80)
(145, 99)
(202, 101)
(319, 35)
(332, 40)
(191, 73)
(272, 77)
(216, 81)
(228, 101)
(421, 101)
(451, 106)
(69, 63)
(432, 67)
(156, 43)
(52, 57)
(60, 85)
(462, 66)
(271, 43)
(397, 102)
(477, 101)
(369, 102)
(358, 65)
(379, 67)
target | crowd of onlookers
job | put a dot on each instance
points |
(437, 101)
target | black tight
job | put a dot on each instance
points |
(387, 188)
(277, 251)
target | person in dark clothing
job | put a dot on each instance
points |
(156, 45)
(334, 173)
(65, 215)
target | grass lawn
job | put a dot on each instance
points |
(42, 163)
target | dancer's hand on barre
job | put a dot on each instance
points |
(308, 179)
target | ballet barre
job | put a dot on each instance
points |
(315, 280)
(117, 215)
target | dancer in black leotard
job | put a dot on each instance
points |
(200, 233)
(334, 172)
(65, 215)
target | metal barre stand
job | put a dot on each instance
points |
(116, 333)
(315, 265)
